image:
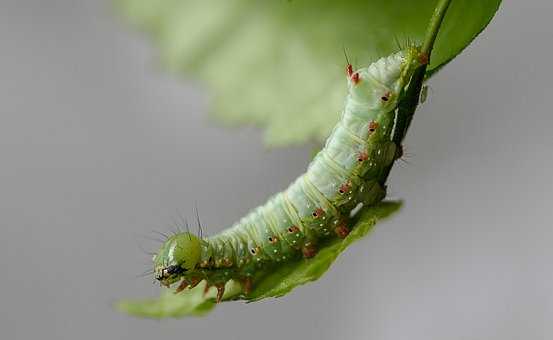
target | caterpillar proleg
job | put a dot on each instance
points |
(350, 170)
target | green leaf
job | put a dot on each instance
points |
(190, 302)
(280, 64)
(277, 283)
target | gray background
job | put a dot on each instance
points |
(98, 147)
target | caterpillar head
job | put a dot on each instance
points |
(178, 254)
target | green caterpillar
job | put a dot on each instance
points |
(350, 170)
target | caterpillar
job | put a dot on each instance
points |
(349, 171)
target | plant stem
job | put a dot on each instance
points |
(410, 98)
(434, 25)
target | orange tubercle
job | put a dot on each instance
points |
(355, 78)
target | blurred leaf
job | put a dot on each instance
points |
(279, 282)
(280, 64)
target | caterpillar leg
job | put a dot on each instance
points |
(220, 291)
(183, 285)
(247, 284)
(342, 230)
(187, 284)
(309, 250)
(206, 288)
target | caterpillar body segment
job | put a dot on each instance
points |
(350, 170)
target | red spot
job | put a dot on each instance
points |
(424, 58)
(373, 126)
(293, 229)
(362, 156)
(355, 78)
(344, 188)
(386, 96)
(342, 231)
(349, 70)
(318, 213)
